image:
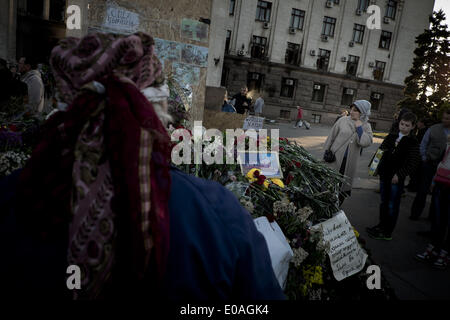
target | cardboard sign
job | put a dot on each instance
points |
(346, 255)
(120, 19)
(252, 122)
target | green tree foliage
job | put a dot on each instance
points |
(427, 86)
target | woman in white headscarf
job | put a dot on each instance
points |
(347, 137)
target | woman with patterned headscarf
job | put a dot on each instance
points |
(99, 191)
(347, 137)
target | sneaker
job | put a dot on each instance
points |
(380, 235)
(374, 230)
(442, 260)
(429, 255)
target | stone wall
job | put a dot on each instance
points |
(161, 19)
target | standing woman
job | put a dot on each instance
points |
(348, 136)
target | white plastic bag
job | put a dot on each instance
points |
(279, 249)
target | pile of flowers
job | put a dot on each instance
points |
(306, 195)
(19, 131)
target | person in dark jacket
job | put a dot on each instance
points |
(242, 101)
(400, 158)
(99, 193)
(395, 128)
(432, 148)
(414, 177)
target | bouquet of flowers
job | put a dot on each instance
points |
(306, 195)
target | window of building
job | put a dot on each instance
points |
(287, 87)
(35, 8)
(323, 60)
(391, 9)
(254, 81)
(376, 99)
(297, 19)
(318, 92)
(363, 5)
(378, 72)
(227, 42)
(57, 10)
(358, 33)
(232, 5)
(258, 50)
(315, 118)
(385, 39)
(348, 96)
(224, 78)
(329, 25)
(285, 114)
(292, 54)
(352, 65)
(263, 11)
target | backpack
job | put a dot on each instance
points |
(443, 169)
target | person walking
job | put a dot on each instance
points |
(32, 77)
(347, 138)
(299, 121)
(400, 158)
(432, 149)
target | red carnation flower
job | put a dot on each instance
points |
(270, 217)
(281, 149)
(256, 174)
(13, 127)
(261, 179)
(298, 164)
(289, 179)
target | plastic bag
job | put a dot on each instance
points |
(279, 249)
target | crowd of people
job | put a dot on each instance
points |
(101, 178)
(410, 149)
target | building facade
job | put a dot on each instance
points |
(30, 27)
(318, 54)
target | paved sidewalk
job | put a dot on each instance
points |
(410, 279)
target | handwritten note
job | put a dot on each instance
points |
(120, 19)
(252, 122)
(346, 255)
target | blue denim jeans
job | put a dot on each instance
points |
(390, 204)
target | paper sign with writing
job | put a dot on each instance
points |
(252, 122)
(346, 255)
(120, 19)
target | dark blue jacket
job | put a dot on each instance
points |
(216, 253)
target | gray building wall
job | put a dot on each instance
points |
(411, 19)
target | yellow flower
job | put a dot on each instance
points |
(266, 184)
(278, 182)
(250, 175)
(356, 232)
